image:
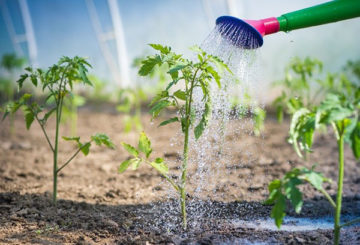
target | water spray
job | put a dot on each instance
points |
(248, 34)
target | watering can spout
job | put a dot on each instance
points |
(248, 34)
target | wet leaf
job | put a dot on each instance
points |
(130, 149)
(145, 145)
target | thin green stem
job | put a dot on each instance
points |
(72, 157)
(56, 147)
(186, 150)
(44, 131)
(183, 177)
(328, 197)
(351, 222)
(337, 226)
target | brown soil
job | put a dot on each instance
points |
(98, 205)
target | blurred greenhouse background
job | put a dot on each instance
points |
(112, 33)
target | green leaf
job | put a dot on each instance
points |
(355, 141)
(293, 193)
(278, 210)
(171, 120)
(219, 64)
(160, 166)
(161, 48)
(159, 96)
(130, 149)
(314, 178)
(274, 187)
(83, 76)
(177, 68)
(100, 139)
(180, 94)
(157, 108)
(145, 145)
(76, 139)
(199, 129)
(48, 114)
(21, 80)
(148, 65)
(125, 165)
(34, 79)
(85, 148)
(215, 75)
(29, 117)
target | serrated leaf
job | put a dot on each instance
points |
(293, 193)
(215, 75)
(130, 149)
(278, 210)
(161, 48)
(100, 139)
(171, 120)
(148, 65)
(125, 165)
(144, 145)
(34, 80)
(314, 178)
(180, 94)
(83, 76)
(29, 117)
(160, 166)
(20, 82)
(157, 108)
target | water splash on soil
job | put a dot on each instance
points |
(211, 156)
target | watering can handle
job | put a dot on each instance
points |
(320, 14)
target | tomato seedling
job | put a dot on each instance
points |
(341, 111)
(190, 75)
(57, 83)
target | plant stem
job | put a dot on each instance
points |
(55, 172)
(183, 177)
(44, 131)
(72, 157)
(328, 197)
(339, 190)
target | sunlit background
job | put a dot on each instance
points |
(112, 33)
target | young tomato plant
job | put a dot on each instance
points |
(341, 111)
(297, 86)
(57, 82)
(189, 75)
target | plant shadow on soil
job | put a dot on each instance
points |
(31, 218)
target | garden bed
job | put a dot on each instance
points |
(98, 205)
